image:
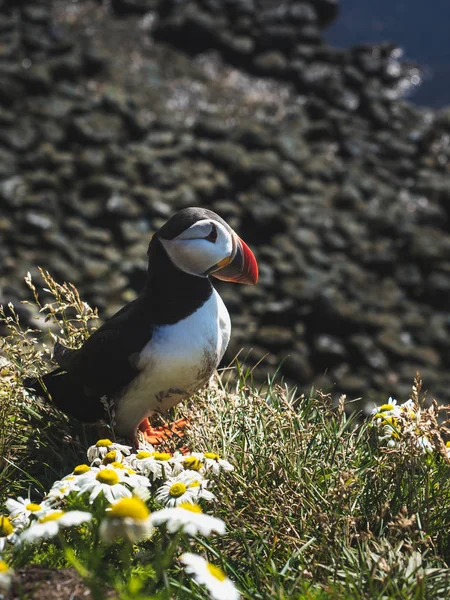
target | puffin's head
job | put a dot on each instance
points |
(201, 243)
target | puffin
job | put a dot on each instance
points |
(165, 345)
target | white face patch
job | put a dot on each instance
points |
(199, 230)
(193, 253)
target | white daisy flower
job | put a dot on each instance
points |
(62, 488)
(176, 463)
(112, 456)
(390, 409)
(213, 462)
(173, 493)
(134, 460)
(193, 462)
(7, 532)
(51, 522)
(408, 405)
(130, 475)
(410, 410)
(390, 427)
(123, 468)
(155, 465)
(189, 518)
(21, 509)
(6, 577)
(103, 446)
(211, 576)
(80, 470)
(424, 444)
(128, 518)
(188, 486)
(146, 446)
(106, 480)
(203, 492)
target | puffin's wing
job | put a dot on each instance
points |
(107, 361)
(101, 368)
(63, 355)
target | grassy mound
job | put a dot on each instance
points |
(319, 505)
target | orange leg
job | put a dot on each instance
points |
(159, 435)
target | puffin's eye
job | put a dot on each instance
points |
(212, 235)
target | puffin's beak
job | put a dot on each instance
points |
(242, 268)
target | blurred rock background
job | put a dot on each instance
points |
(115, 114)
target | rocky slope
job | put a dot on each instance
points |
(114, 115)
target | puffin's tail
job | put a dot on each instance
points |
(64, 392)
(40, 385)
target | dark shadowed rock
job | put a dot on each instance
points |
(134, 6)
(111, 120)
(96, 128)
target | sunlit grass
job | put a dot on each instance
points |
(37, 442)
(317, 507)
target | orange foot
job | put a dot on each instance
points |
(159, 435)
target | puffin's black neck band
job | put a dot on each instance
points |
(172, 294)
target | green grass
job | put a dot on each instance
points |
(317, 507)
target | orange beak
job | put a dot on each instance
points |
(242, 268)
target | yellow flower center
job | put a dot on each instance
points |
(195, 508)
(386, 407)
(447, 444)
(129, 507)
(143, 454)
(211, 455)
(54, 516)
(177, 489)
(118, 465)
(392, 424)
(3, 567)
(192, 463)
(32, 507)
(387, 420)
(80, 469)
(161, 455)
(216, 572)
(104, 443)
(5, 527)
(107, 476)
(194, 484)
(109, 457)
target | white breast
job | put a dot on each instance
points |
(178, 361)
